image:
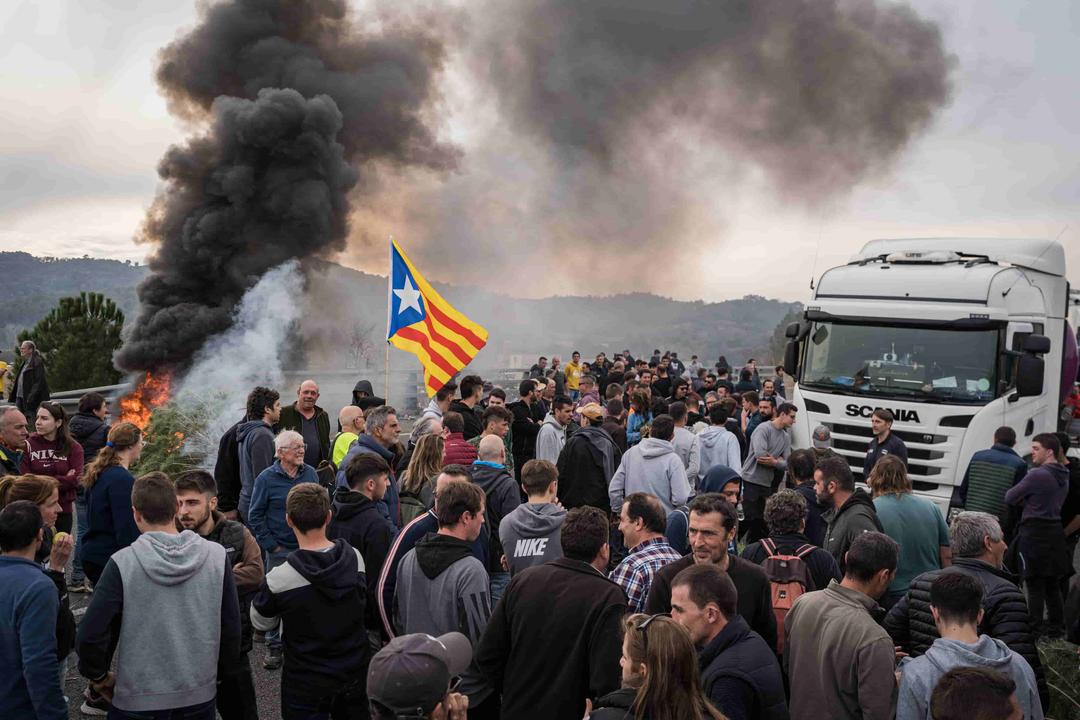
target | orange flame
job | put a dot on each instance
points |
(150, 393)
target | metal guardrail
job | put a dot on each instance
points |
(69, 399)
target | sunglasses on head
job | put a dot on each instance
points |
(643, 628)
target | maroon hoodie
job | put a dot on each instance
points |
(45, 458)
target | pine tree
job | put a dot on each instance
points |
(77, 339)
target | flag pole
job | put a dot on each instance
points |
(389, 309)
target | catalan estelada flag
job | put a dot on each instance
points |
(421, 322)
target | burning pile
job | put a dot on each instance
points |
(151, 392)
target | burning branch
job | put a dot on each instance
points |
(152, 391)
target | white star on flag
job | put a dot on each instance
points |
(409, 297)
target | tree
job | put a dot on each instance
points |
(78, 339)
(360, 345)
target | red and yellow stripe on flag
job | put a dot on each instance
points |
(420, 321)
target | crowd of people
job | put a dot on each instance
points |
(627, 538)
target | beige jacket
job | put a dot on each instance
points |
(840, 661)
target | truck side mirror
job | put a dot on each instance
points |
(1037, 344)
(791, 357)
(792, 331)
(1030, 371)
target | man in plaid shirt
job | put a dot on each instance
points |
(642, 522)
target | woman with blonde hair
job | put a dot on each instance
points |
(111, 524)
(418, 480)
(913, 521)
(660, 675)
(55, 549)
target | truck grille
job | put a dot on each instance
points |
(930, 454)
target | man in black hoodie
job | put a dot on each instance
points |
(524, 428)
(472, 390)
(587, 462)
(357, 520)
(363, 396)
(555, 639)
(325, 661)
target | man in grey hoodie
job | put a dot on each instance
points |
(168, 604)
(686, 443)
(652, 466)
(956, 604)
(442, 588)
(718, 445)
(256, 440)
(552, 436)
(530, 534)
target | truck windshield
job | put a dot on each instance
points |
(930, 364)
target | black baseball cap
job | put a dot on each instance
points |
(411, 675)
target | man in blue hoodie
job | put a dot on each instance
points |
(956, 604)
(256, 440)
(319, 595)
(380, 436)
(29, 685)
(266, 516)
(168, 604)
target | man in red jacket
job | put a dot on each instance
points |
(457, 450)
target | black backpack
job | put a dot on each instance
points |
(227, 470)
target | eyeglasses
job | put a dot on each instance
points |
(643, 628)
(295, 448)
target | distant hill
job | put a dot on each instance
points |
(33, 285)
(557, 325)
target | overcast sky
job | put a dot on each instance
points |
(82, 129)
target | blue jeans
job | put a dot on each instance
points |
(202, 711)
(271, 560)
(499, 581)
(81, 519)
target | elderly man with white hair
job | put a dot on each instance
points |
(266, 516)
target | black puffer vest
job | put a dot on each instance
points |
(734, 653)
(230, 535)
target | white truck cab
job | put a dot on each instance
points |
(956, 336)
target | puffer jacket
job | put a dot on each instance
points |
(1005, 615)
(458, 451)
(618, 705)
(91, 432)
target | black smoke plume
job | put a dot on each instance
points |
(290, 99)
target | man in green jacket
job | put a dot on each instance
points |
(839, 659)
(311, 421)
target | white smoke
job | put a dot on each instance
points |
(249, 353)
